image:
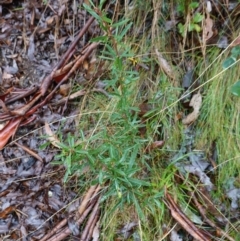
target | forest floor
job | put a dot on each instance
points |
(119, 120)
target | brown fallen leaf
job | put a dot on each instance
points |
(65, 89)
(51, 136)
(7, 211)
(155, 145)
(196, 103)
(165, 66)
(207, 29)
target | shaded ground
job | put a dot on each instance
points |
(33, 37)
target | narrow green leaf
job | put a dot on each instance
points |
(100, 39)
(120, 23)
(106, 19)
(125, 30)
(111, 51)
(101, 4)
(92, 12)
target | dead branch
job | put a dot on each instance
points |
(94, 224)
(54, 230)
(29, 151)
(86, 199)
(90, 221)
(47, 81)
(185, 222)
(208, 221)
(26, 93)
(66, 231)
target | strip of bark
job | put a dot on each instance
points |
(29, 151)
(185, 222)
(94, 223)
(22, 95)
(93, 215)
(66, 231)
(86, 199)
(208, 221)
(47, 81)
(54, 230)
(74, 68)
(9, 130)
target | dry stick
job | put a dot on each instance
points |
(89, 50)
(29, 151)
(24, 109)
(180, 217)
(53, 231)
(22, 95)
(76, 65)
(192, 228)
(96, 193)
(185, 218)
(82, 208)
(207, 220)
(47, 80)
(94, 223)
(86, 199)
(90, 220)
(66, 231)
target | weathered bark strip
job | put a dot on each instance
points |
(185, 222)
(47, 81)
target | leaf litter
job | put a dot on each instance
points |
(32, 194)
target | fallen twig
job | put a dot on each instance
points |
(47, 81)
(76, 65)
(208, 221)
(185, 222)
(90, 200)
(86, 199)
(95, 224)
(21, 95)
(54, 230)
(29, 151)
(23, 110)
(91, 220)
(66, 231)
